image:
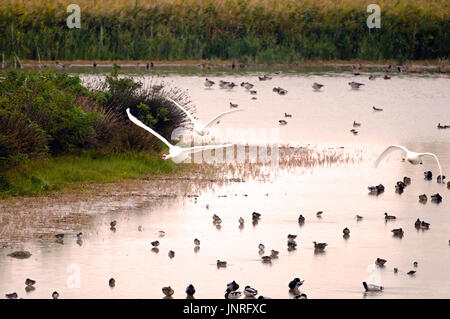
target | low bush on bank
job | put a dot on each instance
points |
(45, 116)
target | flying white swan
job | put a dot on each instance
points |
(175, 152)
(199, 127)
(412, 157)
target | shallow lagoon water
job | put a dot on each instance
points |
(413, 105)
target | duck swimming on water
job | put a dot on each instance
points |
(319, 246)
(389, 217)
(372, 287)
(398, 232)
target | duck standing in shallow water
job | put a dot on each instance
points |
(250, 292)
(380, 262)
(424, 225)
(155, 243)
(376, 190)
(209, 83)
(274, 253)
(417, 223)
(190, 291)
(423, 198)
(320, 246)
(167, 291)
(30, 282)
(232, 294)
(11, 295)
(399, 187)
(301, 219)
(256, 216)
(295, 284)
(266, 259)
(233, 286)
(436, 198)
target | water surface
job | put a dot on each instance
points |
(413, 106)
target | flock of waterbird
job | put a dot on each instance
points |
(199, 128)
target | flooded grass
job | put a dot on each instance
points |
(43, 175)
(82, 188)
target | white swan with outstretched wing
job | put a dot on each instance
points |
(412, 157)
(174, 150)
(199, 127)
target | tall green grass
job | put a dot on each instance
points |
(40, 176)
(250, 31)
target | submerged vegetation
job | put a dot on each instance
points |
(248, 31)
(55, 130)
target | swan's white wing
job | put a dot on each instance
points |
(388, 151)
(189, 115)
(196, 149)
(435, 157)
(145, 127)
(219, 116)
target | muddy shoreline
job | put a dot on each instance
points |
(442, 66)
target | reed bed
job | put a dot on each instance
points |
(254, 31)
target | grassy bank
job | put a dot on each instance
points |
(261, 31)
(54, 131)
(40, 176)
